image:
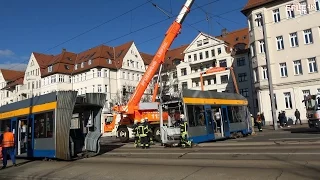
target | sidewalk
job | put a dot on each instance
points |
(19, 162)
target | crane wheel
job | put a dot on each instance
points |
(123, 134)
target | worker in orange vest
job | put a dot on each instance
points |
(7, 143)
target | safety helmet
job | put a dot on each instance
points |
(181, 116)
(135, 121)
(142, 120)
(146, 119)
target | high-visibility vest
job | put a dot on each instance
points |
(8, 139)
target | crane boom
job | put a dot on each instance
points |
(158, 59)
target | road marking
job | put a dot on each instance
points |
(211, 153)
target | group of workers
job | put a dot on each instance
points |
(143, 133)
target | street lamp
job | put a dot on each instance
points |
(271, 94)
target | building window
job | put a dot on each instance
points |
(224, 79)
(280, 44)
(264, 72)
(255, 74)
(183, 71)
(174, 75)
(283, 70)
(259, 19)
(50, 69)
(207, 54)
(82, 64)
(184, 85)
(262, 46)
(53, 79)
(200, 56)
(294, 39)
(305, 94)
(106, 88)
(61, 78)
(99, 88)
(313, 67)
(290, 11)
(317, 3)
(213, 53)
(219, 50)
(275, 101)
(287, 100)
(308, 39)
(189, 58)
(303, 7)
(195, 57)
(276, 15)
(244, 92)
(241, 61)
(252, 50)
(297, 67)
(223, 63)
(242, 77)
(90, 62)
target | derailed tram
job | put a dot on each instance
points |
(57, 125)
(212, 115)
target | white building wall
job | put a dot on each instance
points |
(292, 82)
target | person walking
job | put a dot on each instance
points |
(143, 132)
(7, 143)
(297, 115)
(259, 122)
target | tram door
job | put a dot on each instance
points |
(14, 131)
(225, 121)
(209, 122)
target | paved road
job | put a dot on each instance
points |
(282, 155)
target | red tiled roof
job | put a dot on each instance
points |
(147, 58)
(100, 56)
(10, 75)
(235, 38)
(253, 4)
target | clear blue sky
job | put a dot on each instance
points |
(38, 25)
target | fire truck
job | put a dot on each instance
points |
(120, 123)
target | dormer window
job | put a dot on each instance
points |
(109, 61)
(82, 64)
(50, 68)
(67, 67)
(90, 62)
(76, 67)
(69, 58)
(237, 39)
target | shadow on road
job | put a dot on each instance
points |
(305, 130)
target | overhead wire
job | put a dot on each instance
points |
(127, 33)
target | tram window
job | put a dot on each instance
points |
(43, 125)
(198, 118)
(230, 115)
(190, 110)
(4, 124)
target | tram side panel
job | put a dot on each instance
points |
(65, 104)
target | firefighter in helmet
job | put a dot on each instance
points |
(147, 124)
(136, 134)
(184, 142)
(143, 132)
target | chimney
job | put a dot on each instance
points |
(64, 50)
(224, 32)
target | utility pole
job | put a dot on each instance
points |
(271, 93)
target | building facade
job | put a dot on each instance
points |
(289, 32)
(227, 50)
(102, 69)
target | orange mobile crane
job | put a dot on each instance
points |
(134, 110)
(219, 69)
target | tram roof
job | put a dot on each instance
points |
(231, 98)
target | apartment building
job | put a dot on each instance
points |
(10, 83)
(289, 32)
(170, 83)
(101, 69)
(230, 49)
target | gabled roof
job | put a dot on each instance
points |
(10, 75)
(147, 58)
(251, 4)
(100, 56)
(198, 36)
